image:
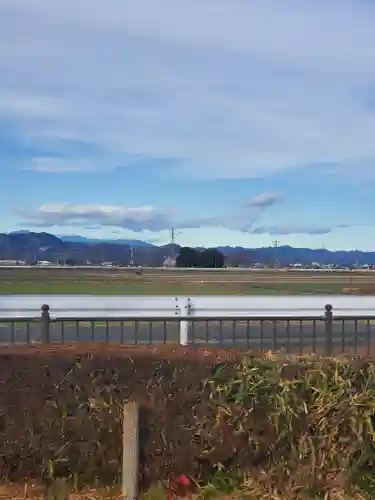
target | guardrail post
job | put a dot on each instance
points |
(45, 322)
(328, 319)
(183, 309)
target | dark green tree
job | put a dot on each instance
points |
(188, 257)
(212, 258)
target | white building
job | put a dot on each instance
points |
(169, 262)
(12, 262)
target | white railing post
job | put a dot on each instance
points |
(183, 308)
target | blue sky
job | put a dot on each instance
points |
(237, 122)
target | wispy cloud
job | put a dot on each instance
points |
(248, 214)
(287, 230)
(58, 165)
(135, 219)
(224, 89)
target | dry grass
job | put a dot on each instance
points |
(33, 491)
(254, 492)
(250, 491)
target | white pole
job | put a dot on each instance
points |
(184, 329)
(184, 308)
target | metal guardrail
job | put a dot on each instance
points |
(327, 334)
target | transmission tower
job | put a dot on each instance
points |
(131, 257)
(173, 235)
(275, 246)
(173, 254)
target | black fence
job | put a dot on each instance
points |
(327, 335)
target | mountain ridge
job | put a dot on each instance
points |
(30, 246)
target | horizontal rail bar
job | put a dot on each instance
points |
(179, 319)
(215, 318)
(21, 319)
(84, 305)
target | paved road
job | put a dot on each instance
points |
(238, 334)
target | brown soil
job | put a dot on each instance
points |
(170, 352)
(152, 352)
(366, 290)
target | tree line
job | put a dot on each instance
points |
(190, 257)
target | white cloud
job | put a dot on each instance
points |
(264, 200)
(226, 89)
(63, 214)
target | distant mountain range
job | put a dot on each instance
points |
(30, 246)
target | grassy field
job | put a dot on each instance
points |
(129, 287)
(177, 282)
